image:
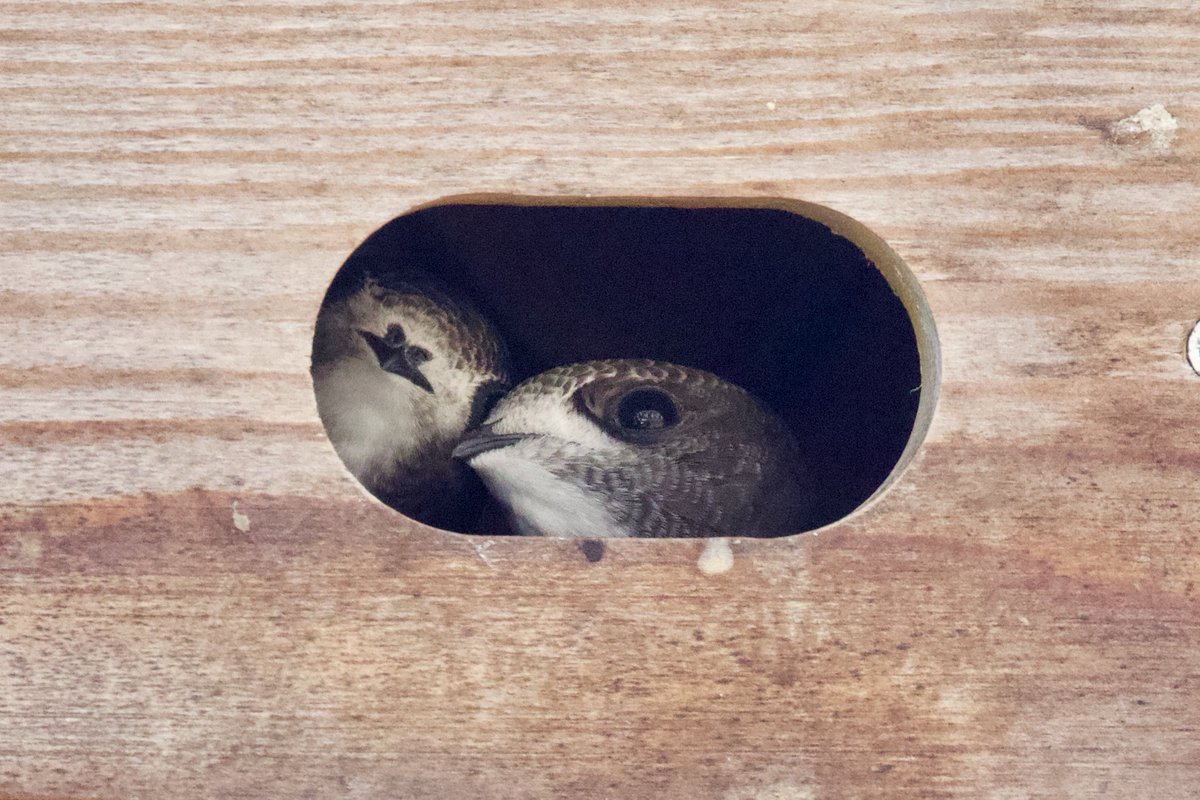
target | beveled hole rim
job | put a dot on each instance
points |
(894, 270)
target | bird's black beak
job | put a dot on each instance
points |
(394, 359)
(481, 440)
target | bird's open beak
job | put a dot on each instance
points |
(483, 439)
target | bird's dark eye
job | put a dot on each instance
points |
(417, 355)
(646, 410)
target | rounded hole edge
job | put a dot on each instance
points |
(895, 272)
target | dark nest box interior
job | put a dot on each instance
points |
(800, 305)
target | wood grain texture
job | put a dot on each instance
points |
(1017, 618)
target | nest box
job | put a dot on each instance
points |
(982, 325)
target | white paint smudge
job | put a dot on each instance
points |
(717, 557)
(240, 520)
(481, 549)
(1154, 123)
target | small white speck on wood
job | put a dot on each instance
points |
(240, 520)
(481, 549)
(716, 557)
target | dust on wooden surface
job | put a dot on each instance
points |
(179, 182)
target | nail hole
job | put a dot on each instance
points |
(1193, 348)
(797, 303)
(593, 550)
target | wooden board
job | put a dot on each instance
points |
(1016, 618)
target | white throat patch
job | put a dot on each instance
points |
(542, 503)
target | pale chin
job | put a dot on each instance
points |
(542, 503)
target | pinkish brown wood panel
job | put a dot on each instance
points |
(1016, 618)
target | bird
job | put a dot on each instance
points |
(639, 447)
(401, 368)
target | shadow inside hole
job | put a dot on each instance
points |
(770, 300)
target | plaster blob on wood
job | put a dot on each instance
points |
(1154, 123)
(716, 557)
(240, 520)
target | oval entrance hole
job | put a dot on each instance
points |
(800, 305)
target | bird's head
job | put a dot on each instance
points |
(639, 448)
(400, 372)
(434, 351)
